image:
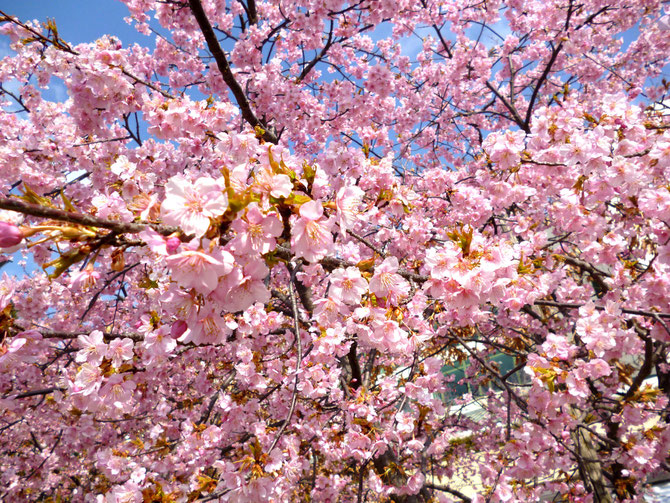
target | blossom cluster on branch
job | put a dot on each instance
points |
(265, 248)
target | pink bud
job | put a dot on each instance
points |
(172, 243)
(178, 328)
(10, 235)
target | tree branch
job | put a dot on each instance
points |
(37, 392)
(540, 82)
(14, 204)
(296, 329)
(510, 107)
(636, 312)
(517, 399)
(367, 243)
(47, 333)
(226, 72)
(330, 263)
(320, 56)
(449, 490)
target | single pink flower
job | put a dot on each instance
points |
(85, 279)
(117, 391)
(198, 269)
(347, 202)
(388, 336)
(206, 327)
(88, 379)
(191, 205)
(348, 285)
(387, 283)
(120, 350)
(311, 237)
(328, 310)
(442, 261)
(243, 287)
(160, 343)
(9, 352)
(255, 233)
(93, 348)
(274, 185)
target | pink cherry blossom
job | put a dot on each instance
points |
(243, 287)
(120, 350)
(275, 185)
(337, 251)
(10, 352)
(441, 262)
(118, 391)
(88, 379)
(206, 327)
(348, 201)
(195, 268)
(387, 283)
(388, 336)
(310, 236)
(191, 205)
(93, 348)
(327, 310)
(348, 285)
(158, 345)
(85, 279)
(257, 233)
(157, 243)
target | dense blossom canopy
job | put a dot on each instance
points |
(333, 251)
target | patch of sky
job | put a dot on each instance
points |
(79, 22)
(661, 493)
(490, 35)
(19, 264)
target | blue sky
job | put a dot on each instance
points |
(79, 20)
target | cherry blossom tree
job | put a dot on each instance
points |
(329, 250)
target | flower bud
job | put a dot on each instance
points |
(171, 244)
(178, 329)
(10, 235)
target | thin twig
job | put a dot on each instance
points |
(567, 305)
(37, 392)
(367, 243)
(38, 468)
(517, 399)
(104, 287)
(449, 490)
(296, 329)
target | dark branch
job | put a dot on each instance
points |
(14, 204)
(226, 72)
(510, 107)
(540, 82)
(37, 392)
(567, 305)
